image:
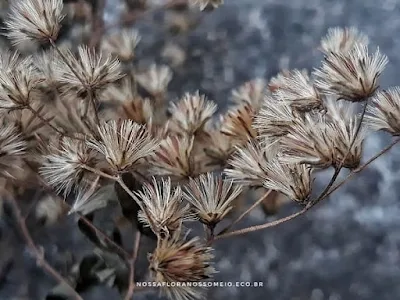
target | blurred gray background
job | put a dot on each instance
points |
(347, 247)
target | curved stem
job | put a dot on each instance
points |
(135, 253)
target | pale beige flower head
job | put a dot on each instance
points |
(155, 80)
(297, 90)
(12, 149)
(36, 20)
(122, 44)
(353, 75)
(212, 197)
(206, 4)
(64, 167)
(180, 260)
(174, 157)
(342, 40)
(191, 113)
(237, 124)
(164, 206)
(123, 143)
(90, 71)
(251, 93)
(249, 164)
(275, 118)
(384, 111)
(19, 81)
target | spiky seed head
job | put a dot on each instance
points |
(353, 75)
(237, 123)
(309, 142)
(384, 111)
(155, 80)
(64, 167)
(91, 71)
(35, 20)
(274, 119)
(123, 143)
(343, 123)
(180, 260)
(299, 92)
(248, 165)
(342, 40)
(205, 4)
(212, 197)
(19, 81)
(122, 44)
(12, 149)
(191, 113)
(173, 157)
(251, 93)
(164, 206)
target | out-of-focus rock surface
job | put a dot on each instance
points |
(346, 248)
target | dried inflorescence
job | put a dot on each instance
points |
(342, 40)
(122, 44)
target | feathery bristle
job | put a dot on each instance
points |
(342, 40)
(122, 44)
(155, 80)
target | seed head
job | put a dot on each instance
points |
(122, 44)
(91, 71)
(342, 40)
(251, 93)
(297, 90)
(353, 75)
(164, 207)
(384, 111)
(35, 20)
(64, 166)
(212, 197)
(176, 260)
(237, 123)
(123, 143)
(155, 80)
(191, 113)
(203, 4)
(12, 148)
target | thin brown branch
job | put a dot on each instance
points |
(260, 200)
(135, 253)
(37, 252)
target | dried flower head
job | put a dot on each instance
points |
(237, 123)
(343, 124)
(274, 119)
(88, 70)
(353, 75)
(12, 148)
(384, 112)
(37, 20)
(65, 165)
(309, 142)
(249, 164)
(212, 197)
(251, 93)
(342, 40)
(164, 207)
(123, 143)
(50, 209)
(176, 260)
(122, 44)
(292, 180)
(155, 80)
(174, 157)
(203, 4)
(19, 81)
(191, 113)
(298, 91)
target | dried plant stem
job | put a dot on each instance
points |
(263, 226)
(37, 252)
(100, 173)
(47, 122)
(260, 200)
(339, 167)
(89, 91)
(135, 252)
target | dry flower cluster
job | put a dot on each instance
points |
(81, 122)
